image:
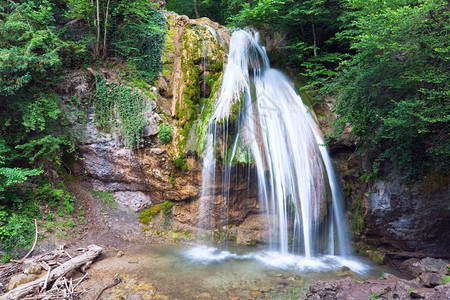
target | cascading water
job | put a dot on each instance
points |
(258, 110)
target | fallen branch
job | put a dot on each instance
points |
(80, 280)
(32, 248)
(58, 272)
(117, 280)
(44, 287)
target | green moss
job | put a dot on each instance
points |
(172, 178)
(445, 279)
(357, 218)
(188, 111)
(361, 248)
(232, 238)
(147, 215)
(106, 197)
(377, 257)
(252, 242)
(180, 162)
(142, 85)
(201, 129)
(215, 66)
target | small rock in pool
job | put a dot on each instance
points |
(204, 295)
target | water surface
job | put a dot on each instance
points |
(191, 271)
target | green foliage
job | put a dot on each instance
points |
(147, 215)
(307, 29)
(141, 41)
(374, 296)
(445, 279)
(71, 223)
(127, 103)
(128, 28)
(180, 162)
(33, 134)
(409, 292)
(28, 45)
(165, 133)
(394, 90)
(217, 10)
(24, 205)
(106, 197)
(172, 178)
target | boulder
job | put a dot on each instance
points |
(31, 267)
(430, 279)
(415, 266)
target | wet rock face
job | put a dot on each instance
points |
(137, 179)
(242, 204)
(408, 218)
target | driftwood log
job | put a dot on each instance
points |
(74, 263)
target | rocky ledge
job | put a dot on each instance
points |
(431, 282)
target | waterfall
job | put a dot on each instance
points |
(258, 111)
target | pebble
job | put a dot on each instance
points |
(120, 253)
(204, 295)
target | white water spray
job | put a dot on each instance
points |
(292, 165)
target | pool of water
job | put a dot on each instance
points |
(189, 271)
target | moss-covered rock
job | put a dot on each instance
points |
(193, 61)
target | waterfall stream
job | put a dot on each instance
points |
(258, 113)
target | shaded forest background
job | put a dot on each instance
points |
(385, 62)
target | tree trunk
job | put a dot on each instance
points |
(94, 19)
(74, 263)
(313, 27)
(197, 14)
(106, 25)
(7, 7)
(98, 28)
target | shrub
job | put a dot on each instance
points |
(147, 215)
(165, 133)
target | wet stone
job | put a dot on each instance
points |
(430, 279)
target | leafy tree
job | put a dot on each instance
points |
(308, 29)
(394, 91)
(29, 109)
(129, 28)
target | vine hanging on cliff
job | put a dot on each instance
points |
(124, 102)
